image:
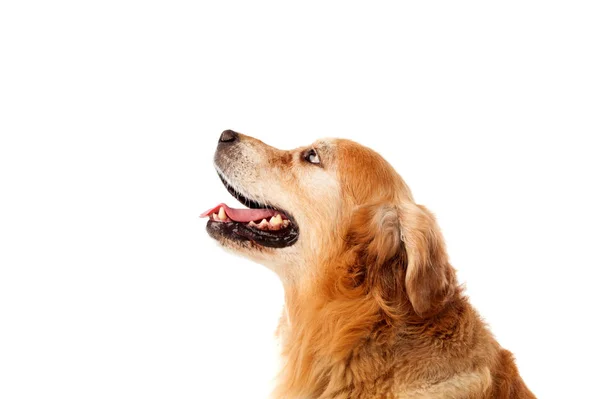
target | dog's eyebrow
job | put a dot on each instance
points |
(328, 148)
(324, 145)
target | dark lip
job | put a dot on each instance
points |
(242, 232)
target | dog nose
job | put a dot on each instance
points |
(228, 136)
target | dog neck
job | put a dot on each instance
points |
(323, 336)
(337, 345)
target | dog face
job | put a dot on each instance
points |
(333, 208)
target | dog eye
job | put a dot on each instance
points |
(312, 157)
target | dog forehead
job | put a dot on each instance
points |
(357, 158)
(366, 175)
(333, 146)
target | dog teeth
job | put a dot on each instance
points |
(215, 216)
(263, 225)
(222, 215)
(276, 222)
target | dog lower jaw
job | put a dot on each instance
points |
(240, 233)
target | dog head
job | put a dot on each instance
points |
(335, 209)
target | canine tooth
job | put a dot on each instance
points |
(276, 222)
(222, 214)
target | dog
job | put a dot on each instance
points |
(372, 305)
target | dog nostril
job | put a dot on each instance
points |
(228, 136)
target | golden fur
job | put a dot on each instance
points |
(372, 305)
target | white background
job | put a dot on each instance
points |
(110, 112)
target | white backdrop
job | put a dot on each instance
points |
(110, 112)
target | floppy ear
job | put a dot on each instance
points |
(403, 255)
(430, 280)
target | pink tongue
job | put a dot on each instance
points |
(241, 215)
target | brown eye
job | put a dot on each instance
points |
(312, 156)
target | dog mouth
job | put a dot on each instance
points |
(260, 223)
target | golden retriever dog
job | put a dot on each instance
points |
(372, 305)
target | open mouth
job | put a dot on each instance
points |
(260, 223)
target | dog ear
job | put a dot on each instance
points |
(401, 255)
(430, 279)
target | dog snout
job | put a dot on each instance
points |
(229, 136)
(228, 150)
